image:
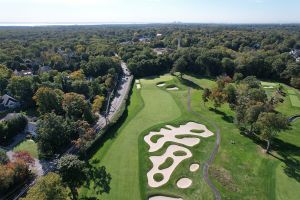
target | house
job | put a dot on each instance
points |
(23, 73)
(9, 102)
(295, 53)
(158, 35)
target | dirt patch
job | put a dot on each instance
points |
(223, 177)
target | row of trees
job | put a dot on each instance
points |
(254, 111)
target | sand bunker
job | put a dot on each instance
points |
(268, 87)
(184, 183)
(137, 81)
(161, 85)
(138, 86)
(164, 198)
(173, 134)
(194, 167)
(173, 88)
(159, 160)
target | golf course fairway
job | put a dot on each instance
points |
(148, 107)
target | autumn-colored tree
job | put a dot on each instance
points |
(77, 75)
(98, 103)
(85, 134)
(206, 94)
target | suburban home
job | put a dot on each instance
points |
(23, 73)
(9, 102)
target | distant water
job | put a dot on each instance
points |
(66, 24)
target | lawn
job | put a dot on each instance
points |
(29, 146)
(294, 98)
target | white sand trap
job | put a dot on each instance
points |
(137, 81)
(173, 88)
(164, 198)
(184, 183)
(138, 86)
(268, 87)
(194, 167)
(166, 173)
(161, 85)
(170, 135)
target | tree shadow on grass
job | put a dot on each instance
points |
(288, 153)
(285, 152)
(227, 118)
(98, 180)
(189, 83)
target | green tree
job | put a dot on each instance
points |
(47, 187)
(73, 172)
(180, 66)
(74, 105)
(54, 133)
(21, 89)
(48, 100)
(269, 125)
(5, 75)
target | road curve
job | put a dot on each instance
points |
(213, 153)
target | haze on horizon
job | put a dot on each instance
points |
(149, 11)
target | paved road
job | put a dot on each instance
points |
(214, 152)
(122, 90)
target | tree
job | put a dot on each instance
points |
(206, 94)
(180, 66)
(3, 157)
(269, 125)
(5, 75)
(74, 105)
(48, 100)
(98, 103)
(73, 172)
(54, 133)
(231, 94)
(25, 157)
(21, 89)
(6, 177)
(48, 187)
(85, 133)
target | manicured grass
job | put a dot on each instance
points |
(148, 107)
(243, 167)
(28, 145)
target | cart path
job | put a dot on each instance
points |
(214, 152)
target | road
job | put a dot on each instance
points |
(121, 92)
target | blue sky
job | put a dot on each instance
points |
(138, 11)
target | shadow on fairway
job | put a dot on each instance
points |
(285, 152)
(189, 83)
(225, 117)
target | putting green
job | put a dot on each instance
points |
(120, 154)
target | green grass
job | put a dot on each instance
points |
(28, 145)
(239, 168)
(148, 107)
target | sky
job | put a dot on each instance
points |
(149, 11)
